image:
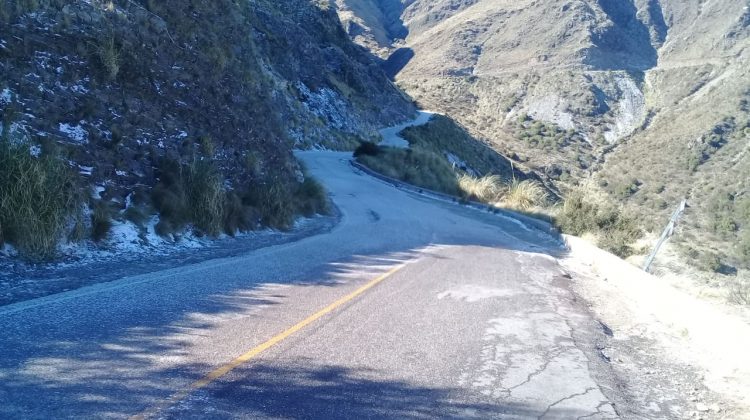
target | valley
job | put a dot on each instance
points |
(640, 103)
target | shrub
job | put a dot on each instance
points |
(194, 193)
(627, 189)
(37, 199)
(101, 221)
(171, 203)
(423, 168)
(709, 262)
(311, 198)
(190, 193)
(205, 194)
(135, 215)
(743, 247)
(274, 202)
(723, 224)
(165, 228)
(109, 56)
(237, 217)
(367, 148)
(585, 212)
(207, 146)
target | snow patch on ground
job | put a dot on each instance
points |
(7, 250)
(6, 96)
(328, 105)
(74, 132)
(125, 238)
(35, 150)
(98, 190)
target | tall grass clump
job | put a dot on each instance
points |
(311, 198)
(278, 203)
(38, 196)
(189, 193)
(487, 189)
(101, 221)
(194, 194)
(205, 192)
(274, 202)
(524, 195)
(109, 56)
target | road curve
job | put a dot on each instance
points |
(462, 314)
(392, 137)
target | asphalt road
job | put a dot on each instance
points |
(430, 310)
(391, 135)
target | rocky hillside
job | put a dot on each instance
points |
(154, 105)
(648, 97)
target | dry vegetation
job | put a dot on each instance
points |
(38, 197)
(41, 202)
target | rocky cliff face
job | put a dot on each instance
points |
(116, 87)
(629, 92)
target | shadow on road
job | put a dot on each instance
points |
(308, 391)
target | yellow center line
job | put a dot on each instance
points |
(226, 368)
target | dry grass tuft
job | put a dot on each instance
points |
(487, 189)
(109, 55)
(524, 195)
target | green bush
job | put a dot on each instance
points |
(237, 217)
(194, 194)
(418, 166)
(190, 193)
(724, 225)
(311, 198)
(627, 189)
(582, 213)
(38, 197)
(367, 148)
(275, 204)
(205, 194)
(739, 289)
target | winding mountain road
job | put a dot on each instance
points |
(409, 308)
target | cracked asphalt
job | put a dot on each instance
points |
(479, 323)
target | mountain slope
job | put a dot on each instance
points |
(142, 98)
(647, 96)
